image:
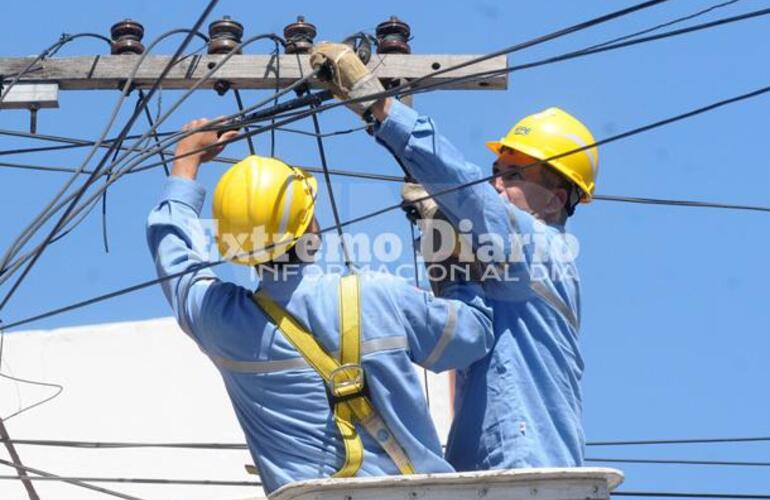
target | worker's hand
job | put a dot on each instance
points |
(191, 148)
(412, 192)
(448, 261)
(345, 75)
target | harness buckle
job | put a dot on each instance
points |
(346, 382)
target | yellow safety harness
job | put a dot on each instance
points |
(344, 379)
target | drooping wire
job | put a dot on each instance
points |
(718, 22)
(249, 139)
(73, 482)
(59, 387)
(398, 206)
(76, 196)
(332, 200)
(718, 440)
(141, 480)
(10, 269)
(48, 52)
(480, 76)
(680, 203)
(669, 494)
(40, 219)
(145, 153)
(662, 461)
(119, 445)
(155, 135)
(666, 24)
(327, 177)
(411, 87)
(79, 193)
(517, 47)
(243, 446)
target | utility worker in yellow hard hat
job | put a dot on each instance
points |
(521, 405)
(318, 366)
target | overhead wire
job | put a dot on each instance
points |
(410, 87)
(243, 446)
(510, 49)
(733, 19)
(24, 236)
(670, 494)
(74, 482)
(398, 206)
(667, 24)
(327, 177)
(48, 52)
(646, 442)
(665, 461)
(530, 43)
(10, 269)
(26, 233)
(480, 76)
(318, 134)
(142, 480)
(70, 205)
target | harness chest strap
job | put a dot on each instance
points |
(344, 379)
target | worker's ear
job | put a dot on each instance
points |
(555, 204)
(309, 243)
(313, 227)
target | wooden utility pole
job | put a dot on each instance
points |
(242, 71)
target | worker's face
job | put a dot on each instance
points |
(525, 187)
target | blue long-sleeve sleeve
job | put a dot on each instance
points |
(450, 332)
(177, 242)
(437, 164)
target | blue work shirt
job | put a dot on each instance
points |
(279, 400)
(521, 405)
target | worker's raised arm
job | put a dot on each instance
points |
(436, 164)
(443, 333)
(175, 235)
(428, 156)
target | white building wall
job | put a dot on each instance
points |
(135, 381)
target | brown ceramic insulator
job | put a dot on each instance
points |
(299, 36)
(393, 37)
(224, 35)
(127, 37)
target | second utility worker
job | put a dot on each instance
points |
(521, 405)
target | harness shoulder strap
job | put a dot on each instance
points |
(344, 379)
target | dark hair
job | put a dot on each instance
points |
(291, 257)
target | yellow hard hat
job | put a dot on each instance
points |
(550, 133)
(262, 203)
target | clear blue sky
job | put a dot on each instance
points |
(675, 318)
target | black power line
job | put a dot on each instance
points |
(398, 206)
(74, 482)
(750, 439)
(511, 49)
(667, 494)
(141, 480)
(666, 461)
(666, 24)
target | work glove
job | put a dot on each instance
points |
(424, 209)
(443, 268)
(345, 75)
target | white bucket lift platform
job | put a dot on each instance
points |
(531, 484)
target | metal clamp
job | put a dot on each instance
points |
(342, 385)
